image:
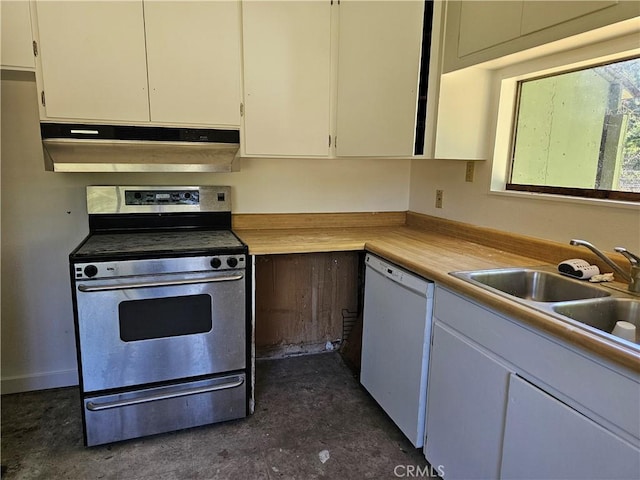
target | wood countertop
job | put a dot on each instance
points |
(435, 252)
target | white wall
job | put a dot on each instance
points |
(44, 218)
(604, 226)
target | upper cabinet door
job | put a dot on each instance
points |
(542, 14)
(503, 17)
(93, 60)
(378, 73)
(481, 30)
(17, 50)
(286, 77)
(193, 56)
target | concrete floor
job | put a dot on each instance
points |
(304, 405)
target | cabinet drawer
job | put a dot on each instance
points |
(591, 387)
(108, 418)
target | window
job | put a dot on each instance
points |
(578, 133)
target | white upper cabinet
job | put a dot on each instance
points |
(504, 18)
(319, 71)
(17, 49)
(93, 61)
(482, 30)
(193, 58)
(543, 14)
(140, 62)
(286, 56)
(378, 70)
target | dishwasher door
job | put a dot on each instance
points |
(395, 343)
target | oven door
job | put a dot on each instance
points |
(154, 328)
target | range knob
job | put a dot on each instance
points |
(215, 262)
(90, 270)
(232, 262)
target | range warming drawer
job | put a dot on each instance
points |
(121, 416)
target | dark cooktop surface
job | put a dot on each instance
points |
(113, 246)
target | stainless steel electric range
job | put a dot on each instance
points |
(161, 311)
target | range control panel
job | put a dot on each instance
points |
(157, 199)
(164, 197)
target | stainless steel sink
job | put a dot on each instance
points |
(594, 308)
(533, 284)
(602, 313)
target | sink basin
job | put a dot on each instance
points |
(584, 305)
(603, 313)
(533, 284)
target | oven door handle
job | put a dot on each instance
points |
(166, 283)
(94, 407)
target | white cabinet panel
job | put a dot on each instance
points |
(466, 403)
(617, 395)
(286, 59)
(17, 50)
(544, 438)
(475, 17)
(193, 56)
(378, 68)
(543, 14)
(93, 60)
(482, 30)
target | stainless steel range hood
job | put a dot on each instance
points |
(107, 148)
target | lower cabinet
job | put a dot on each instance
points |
(507, 401)
(466, 406)
(546, 437)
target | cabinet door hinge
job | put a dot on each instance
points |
(242, 109)
(35, 48)
(42, 99)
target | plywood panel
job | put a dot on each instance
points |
(301, 300)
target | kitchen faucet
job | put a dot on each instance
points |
(633, 277)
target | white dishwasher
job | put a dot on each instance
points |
(395, 343)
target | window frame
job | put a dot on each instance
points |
(558, 190)
(546, 61)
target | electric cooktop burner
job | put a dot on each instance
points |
(158, 243)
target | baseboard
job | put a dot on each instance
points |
(39, 381)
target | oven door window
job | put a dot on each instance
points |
(164, 317)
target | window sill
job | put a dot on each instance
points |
(565, 199)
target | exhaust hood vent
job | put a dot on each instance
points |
(120, 148)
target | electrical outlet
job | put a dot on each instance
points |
(439, 198)
(468, 176)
